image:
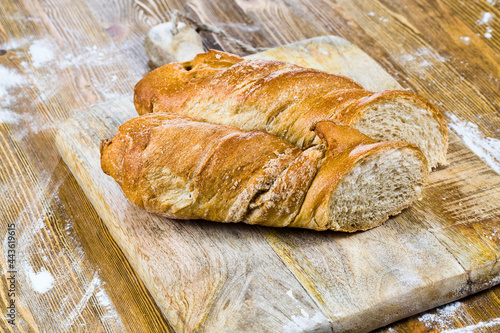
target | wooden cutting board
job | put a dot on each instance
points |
(215, 277)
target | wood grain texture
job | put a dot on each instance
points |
(98, 55)
(351, 282)
(55, 66)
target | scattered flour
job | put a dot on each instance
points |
(488, 32)
(10, 80)
(465, 40)
(77, 310)
(485, 18)
(304, 322)
(9, 117)
(42, 74)
(486, 148)
(381, 18)
(420, 58)
(14, 43)
(41, 52)
(474, 328)
(47, 84)
(103, 298)
(92, 55)
(425, 63)
(443, 317)
(94, 288)
(42, 281)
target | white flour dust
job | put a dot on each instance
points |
(465, 39)
(42, 281)
(42, 74)
(486, 148)
(444, 316)
(9, 81)
(303, 322)
(41, 52)
(46, 64)
(422, 59)
(94, 288)
(78, 308)
(485, 18)
(474, 328)
(488, 32)
(9, 117)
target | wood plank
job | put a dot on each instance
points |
(359, 281)
(479, 16)
(41, 255)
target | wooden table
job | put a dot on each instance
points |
(60, 57)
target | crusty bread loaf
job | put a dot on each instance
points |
(182, 168)
(285, 99)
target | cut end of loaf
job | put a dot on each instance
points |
(403, 116)
(378, 187)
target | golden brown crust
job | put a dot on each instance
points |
(176, 77)
(178, 167)
(273, 96)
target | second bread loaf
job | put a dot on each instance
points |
(285, 99)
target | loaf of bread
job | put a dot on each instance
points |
(285, 99)
(178, 167)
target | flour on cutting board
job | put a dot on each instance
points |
(95, 288)
(488, 32)
(78, 308)
(465, 39)
(446, 316)
(303, 322)
(486, 18)
(486, 148)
